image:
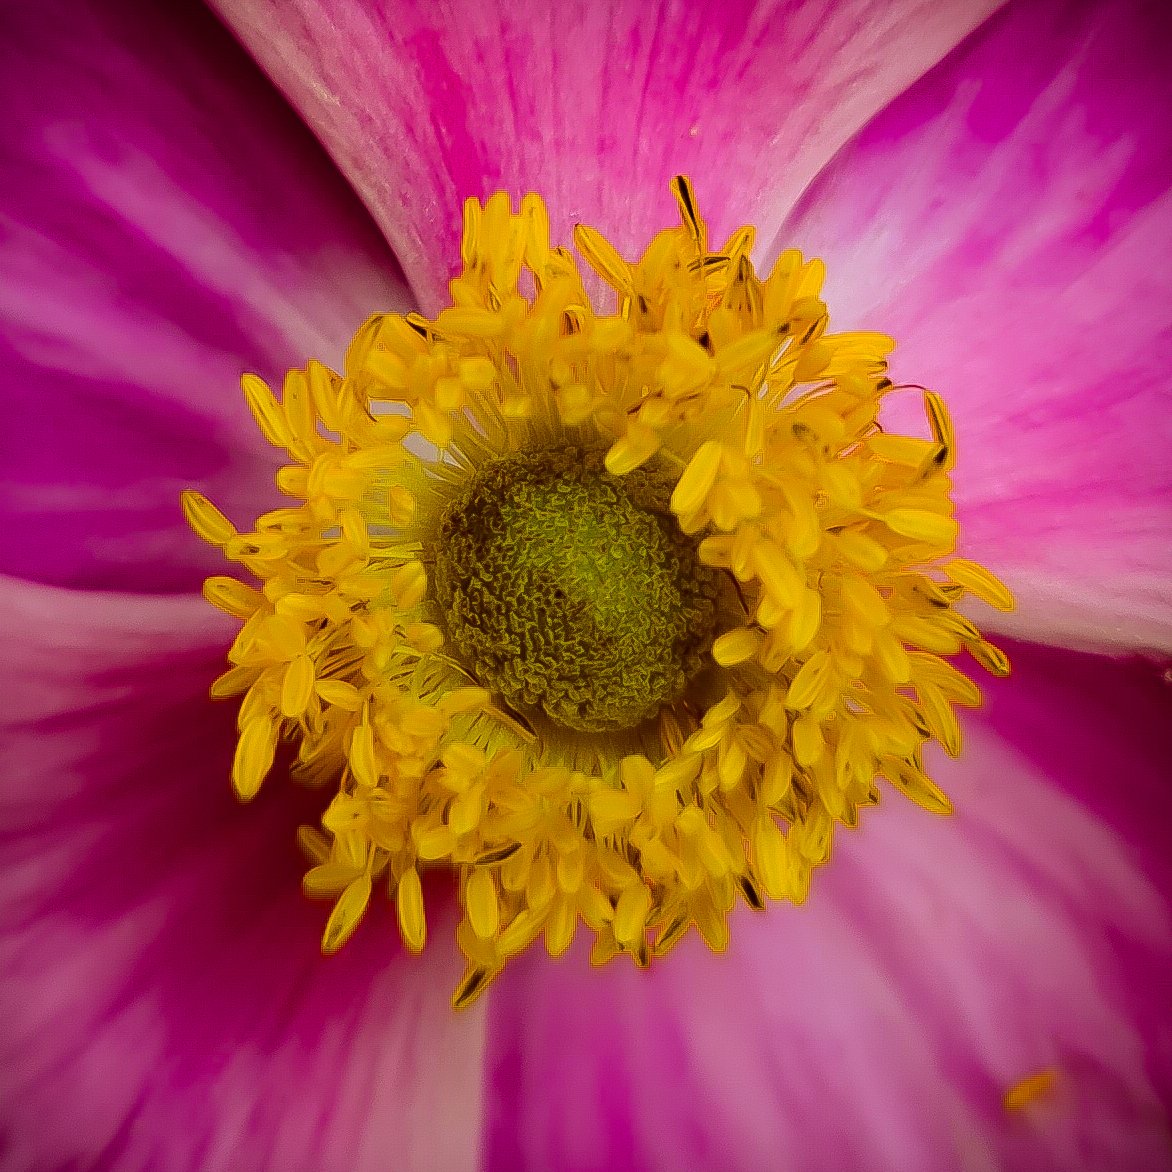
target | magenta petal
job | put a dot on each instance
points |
(1009, 220)
(166, 223)
(165, 1003)
(938, 962)
(595, 106)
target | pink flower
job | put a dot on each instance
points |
(990, 187)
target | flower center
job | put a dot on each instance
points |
(660, 607)
(571, 592)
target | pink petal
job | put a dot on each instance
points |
(937, 963)
(165, 1003)
(595, 106)
(1009, 220)
(167, 224)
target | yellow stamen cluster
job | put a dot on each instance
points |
(833, 536)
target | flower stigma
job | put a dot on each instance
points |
(614, 614)
(571, 592)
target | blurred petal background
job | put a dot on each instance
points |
(991, 185)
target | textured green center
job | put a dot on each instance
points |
(571, 592)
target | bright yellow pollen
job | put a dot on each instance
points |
(1030, 1089)
(827, 669)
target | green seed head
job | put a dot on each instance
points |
(571, 592)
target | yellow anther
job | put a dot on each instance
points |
(412, 919)
(254, 756)
(698, 479)
(266, 411)
(979, 581)
(922, 525)
(603, 258)
(1030, 1089)
(297, 687)
(347, 914)
(736, 647)
(207, 521)
(232, 597)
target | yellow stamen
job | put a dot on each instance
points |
(1030, 1089)
(804, 601)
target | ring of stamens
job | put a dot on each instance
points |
(826, 674)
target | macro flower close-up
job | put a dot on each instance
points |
(586, 587)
